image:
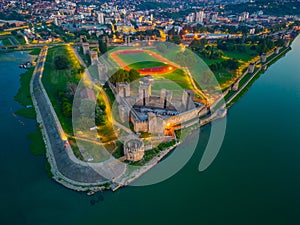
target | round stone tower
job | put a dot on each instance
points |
(134, 149)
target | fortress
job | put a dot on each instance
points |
(134, 149)
(156, 114)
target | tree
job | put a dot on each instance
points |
(231, 64)
(71, 89)
(176, 39)
(67, 109)
(171, 32)
(241, 48)
(118, 77)
(279, 43)
(214, 67)
(122, 76)
(133, 75)
(156, 32)
(14, 32)
(102, 46)
(61, 62)
(99, 116)
(197, 44)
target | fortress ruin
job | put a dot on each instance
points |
(155, 114)
(133, 149)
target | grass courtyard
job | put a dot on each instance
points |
(158, 67)
(57, 83)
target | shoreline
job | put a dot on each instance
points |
(95, 187)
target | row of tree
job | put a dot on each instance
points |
(229, 65)
(124, 76)
(65, 98)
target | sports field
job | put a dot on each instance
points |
(167, 74)
(146, 62)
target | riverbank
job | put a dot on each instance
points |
(144, 169)
(219, 114)
(23, 97)
(233, 96)
(254, 175)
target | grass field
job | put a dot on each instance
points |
(172, 81)
(93, 152)
(146, 64)
(55, 81)
(241, 56)
(35, 51)
(139, 60)
(136, 57)
(211, 61)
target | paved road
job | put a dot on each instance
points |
(79, 172)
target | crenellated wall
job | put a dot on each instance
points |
(186, 116)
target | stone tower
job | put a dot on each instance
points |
(165, 98)
(263, 58)
(94, 57)
(144, 93)
(102, 72)
(134, 149)
(124, 112)
(155, 124)
(106, 39)
(83, 38)
(123, 90)
(188, 100)
(86, 48)
(251, 68)
(127, 40)
(286, 43)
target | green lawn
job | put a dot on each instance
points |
(35, 51)
(146, 64)
(243, 56)
(211, 61)
(223, 77)
(94, 152)
(137, 57)
(170, 54)
(55, 81)
(175, 81)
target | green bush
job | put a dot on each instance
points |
(61, 62)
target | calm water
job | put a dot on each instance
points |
(254, 180)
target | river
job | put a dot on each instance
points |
(254, 179)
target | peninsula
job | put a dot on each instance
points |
(115, 94)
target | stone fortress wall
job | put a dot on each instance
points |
(154, 114)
